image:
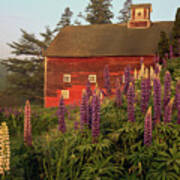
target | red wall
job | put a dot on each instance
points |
(80, 68)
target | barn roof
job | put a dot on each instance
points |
(107, 40)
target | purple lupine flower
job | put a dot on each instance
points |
(61, 113)
(156, 69)
(127, 74)
(95, 118)
(131, 101)
(157, 99)
(89, 111)
(118, 94)
(76, 125)
(171, 54)
(83, 114)
(88, 89)
(167, 88)
(148, 128)
(144, 95)
(27, 124)
(107, 84)
(178, 106)
(168, 111)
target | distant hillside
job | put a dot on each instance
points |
(3, 73)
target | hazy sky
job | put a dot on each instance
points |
(34, 15)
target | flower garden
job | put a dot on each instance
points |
(132, 133)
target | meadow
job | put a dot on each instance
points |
(132, 133)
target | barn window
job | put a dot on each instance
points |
(67, 78)
(65, 94)
(92, 78)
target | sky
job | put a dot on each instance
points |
(34, 15)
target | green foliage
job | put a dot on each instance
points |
(98, 12)
(163, 45)
(125, 12)
(65, 19)
(3, 73)
(26, 77)
(176, 33)
(173, 66)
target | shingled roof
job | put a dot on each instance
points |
(107, 40)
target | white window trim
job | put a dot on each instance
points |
(92, 76)
(65, 94)
(68, 76)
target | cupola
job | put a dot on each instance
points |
(140, 16)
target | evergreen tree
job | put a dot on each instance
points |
(163, 45)
(176, 33)
(65, 19)
(25, 77)
(98, 12)
(125, 12)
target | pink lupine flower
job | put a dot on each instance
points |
(168, 111)
(157, 99)
(131, 101)
(167, 88)
(27, 124)
(148, 128)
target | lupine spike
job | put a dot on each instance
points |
(107, 84)
(61, 113)
(95, 118)
(167, 88)
(4, 149)
(148, 128)
(127, 76)
(157, 99)
(89, 111)
(131, 101)
(88, 89)
(168, 111)
(27, 124)
(143, 95)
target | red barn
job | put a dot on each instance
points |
(79, 53)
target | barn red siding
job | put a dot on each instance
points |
(80, 68)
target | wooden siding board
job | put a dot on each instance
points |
(80, 68)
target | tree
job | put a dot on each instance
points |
(176, 33)
(25, 77)
(125, 12)
(65, 19)
(163, 45)
(98, 12)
